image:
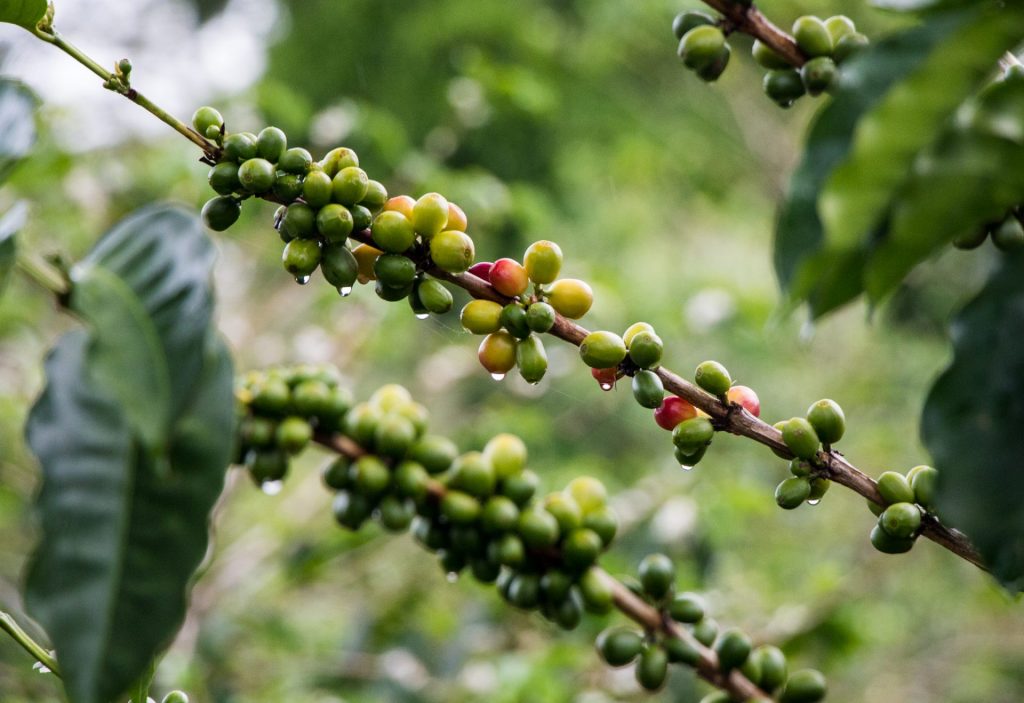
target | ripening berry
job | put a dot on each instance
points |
(223, 178)
(887, 544)
(301, 257)
(456, 218)
(619, 646)
(366, 256)
(271, 143)
(481, 316)
(565, 510)
(895, 488)
(652, 667)
(828, 420)
(473, 474)
(766, 57)
(673, 410)
(507, 454)
(849, 45)
(923, 480)
(206, 117)
(393, 232)
(839, 26)
(532, 359)
(713, 377)
(497, 352)
(606, 378)
(460, 508)
(792, 492)
(452, 251)
(657, 575)
(509, 278)
(337, 159)
(818, 74)
(745, 397)
(690, 435)
(333, 221)
(804, 686)
(784, 86)
(648, 389)
(812, 36)
(295, 160)
(685, 21)
(645, 349)
(293, 434)
(901, 520)
(221, 212)
(602, 349)
(733, 648)
(570, 297)
(543, 261)
(256, 175)
(401, 203)
(482, 270)
(800, 437)
(430, 215)
(349, 185)
(635, 329)
(540, 317)
(700, 46)
(588, 493)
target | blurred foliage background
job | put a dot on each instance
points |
(569, 120)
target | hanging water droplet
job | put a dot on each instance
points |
(452, 577)
(807, 330)
(814, 502)
(345, 291)
(422, 316)
(607, 386)
(684, 467)
(497, 376)
(302, 280)
(271, 488)
(41, 668)
(533, 383)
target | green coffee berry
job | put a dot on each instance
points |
(317, 189)
(394, 435)
(394, 270)
(596, 591)
(472, 473)
(452, 251)
(784, 86)
(804, 686)
(714, 70)
(565, 510)
(430, 214)
(287, 186)
(310, 397)
(801, 467)
(887, 544)
(396, 514)
(819, 487)
(543, 262)
(256, 175)
(706, 631)
(351, 510)
(689, 457)
(792, 492)
(774, 669)
(580, 548)
(301, 257)
(221, 212)
(923, 481)
(619, 646)
(532, 359)
(700, 46)
(687, 607)
(538, 529)
(350, 185)
(376, 195)
(430, 534)
(434, 296)
(828, 420)
(524, 591)
(509, 550)
(645, 349)
(713, 377)
(499, 515)
(239, 147)
(652, 667)
(295, 160)
(812, 36)
(223, 178)
(206, 117)
(484, 570)
(393, 232)
(690, 435)
(271, 396)
(339, 266)
(521, 487)
(507, 454)
(633, 330)
(733, 647)
(766, 57)
(513, 318)
(657, 575)
(267, 465)
(895, 488)
(299, 221)
(293, 434)
(337, 159)
(602, 350)
(901, 520)
(257, 431)
(818, 74)
(685, 21)
(481, 316)
(271, 143)
(540, 317)
(588, 492)
(411, 479)
(361, 218)
(840, 26)
(569, 612)
(436, 454)
(680, 651)
(648, 389)
(800, 437)
(849, 45)
(603, 522)
(460, 508)
(1008, 235)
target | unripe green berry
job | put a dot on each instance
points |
(645, 349)
(256, 175)
(800, 437)
(792, 492)
(588, 492)
(411, 479)
(271, 143)
(293, 434)
(481, 316)
(430, 214)
(206, 117)
(689, 456)
(706, 631)
(239, 147)
(901, 520)
(221, 212)
(700, 46)
(376, 196)
(452, 251)
(540, 317)
(538, 529)
(819, 487)
(337, 159)
(804, 686)
(394, 270)
(733, 647)
(840, 26)
(317, 189)
(801, 467)
(923, 480)
(333, 221)
(299, 221)
(507, 454)
(301, 257)
(812, 36)
(396, 514)
(580, 548)
(602, 350)
(349, 185)
(849, 45)
(603, 522)
(351, 509)
(774, 669)
(287, 186)
(513, 318)
(766, 57)
(394, 435)
(818, 74)
(499, 515)
(267, 465)
(521, 487)
(685, 21)
(680, 651)
(223, 178)
(687, 607)
(570, 297)
(295, 160)
(652, 667)
(393, 232)
(508, 550)
(690, 435)
(828, 420)
(619, 646)
(524, 591)
(532, 359)
(895, 488)
(784, 86)
(633, 330)
(597, 592)
(175, 697)
(543, 261)
(435, 297)
(657, 575)
(648, 389)
(714, 70)
(435, 453)
(460, 508)
(565, 510)
(713, 377)
(473, 474)
(887, 544)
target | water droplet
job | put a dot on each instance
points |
(345, 291)
(41, 668)
(302, 280)
(422, 316)
(497, 376)
(452, 577)
(271, 488)
(533, 383)
(807, 330)
(607, 386)
(814, 502)
(684, 467)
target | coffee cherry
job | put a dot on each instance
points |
(635, 329)
(497, 352)
(239, 146)
(396, 514)
(271, 396)
(923, 480)
(334, 222)
(287, 186)
(673, 411)
(687, 607)
(606, 378)
(732, 647)
(299, 221)
(745, 397)
(509, 277)
(316, 189)
(472, 473)
(524, 591)
(401, 203)
(366, 256)
(538, 528)
(706, 631)
(513, 318)
(766, 57)
(507, 550)
(256, 175)
(619, 646)
(351, 509)
(175, 697)
(436, 454)
(804, 686)
(271, 143)
(713, 377)
(792, 492)
(801, 467)
(580, 548)
(685, 21)
(349, 185)
(773, 667)
(361, 218)
(887, 544)
(223, 178)
(540, 317)
(818, 74)
(601, 350)
(256, 431)
(819, 487)
(221, 212)
(430, 215)
(370, 475)
(206, 117)
(452, 251)
(1009, 235)
(394, 270)
(588, 493)
(570, 297)
(543, 261)
(565, 510)
(895, 488)
(839, 26)
(800, 437)
(596, 591)
(267, 465)
(714, 70)
(295, 160)
(652, 667)
(532, 359)
(411, 480)
(484, 570)
(848, 46)
(657, 575)
(499, 515)
(521, 487)
(690, 456)
(394, 435)
(603, 522)
(645, 349)
(648, 389)
(901, 520)
(690, 435)
(507, 454)
(337, 159)
(481, 316)
(700, 46)
(392, 294)
(393, 232)
(435, 297)
(783, 86)
(828, 420)
(301, 257)
(460, 508)
(310, 397)
(812, 36)
(293, 434)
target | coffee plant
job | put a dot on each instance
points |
(914, 149)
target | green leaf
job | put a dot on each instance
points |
(17, 124)
(972, 419)
(10, 224)
(25, 13)
(910, 117)
(122, 532)
(918, 6)
(145, 290)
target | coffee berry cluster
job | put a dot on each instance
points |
(1007, 234)
(653, 650)
(907, 500)
(703, 47)
(823, 426)
(537, 296)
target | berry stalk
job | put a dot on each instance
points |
(746, 18)
(40, 653)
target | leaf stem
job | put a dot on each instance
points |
(44, 273)
(41, 654)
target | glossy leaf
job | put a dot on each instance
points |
(17, 124)
(122, 532)
(25, 13)
(972, 420)
(10, 224)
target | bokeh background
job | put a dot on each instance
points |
(570, 120)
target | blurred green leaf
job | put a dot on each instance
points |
(17, 124)
(122, 533)
(910, 116)
(25, 13)
(972, 419)
(10, 224)
(918, 5)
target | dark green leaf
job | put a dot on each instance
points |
(122, 532)
(10, 224)
(25, 13)
(17, 124)
(972, 419)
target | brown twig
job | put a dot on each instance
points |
(749, 20)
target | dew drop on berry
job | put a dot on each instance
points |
(345, 291)
(271, 488)
(607, 386)
(302, 280)
(814, 502)
(452, 577)
(684, 467)
(422, 315)
(498, 376)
